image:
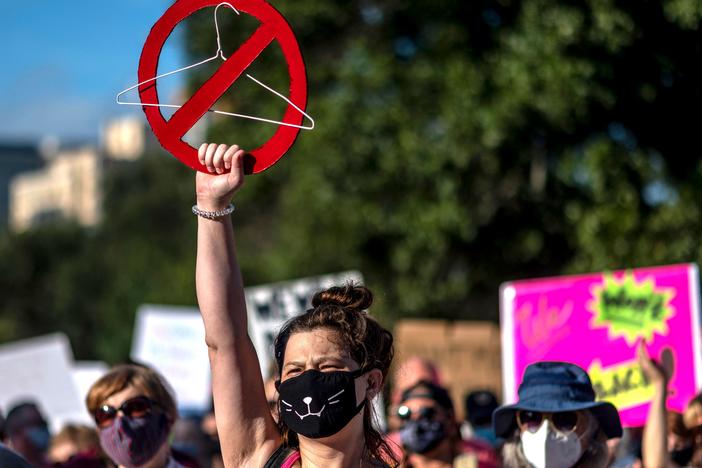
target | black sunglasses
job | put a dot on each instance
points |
(426, 412)
(563, 421)
(136, 407)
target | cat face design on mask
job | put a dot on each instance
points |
(318, 404)
(332, 400)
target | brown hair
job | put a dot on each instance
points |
(84, 438)
(693, 413)
(343, 310)
(147, 381)
(676, 425)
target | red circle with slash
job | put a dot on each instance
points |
(273, 27)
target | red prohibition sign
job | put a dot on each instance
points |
(273, 27)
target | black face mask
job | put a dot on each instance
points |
(318, 404)
(682, 456)
(422, 435)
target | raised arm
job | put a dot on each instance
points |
(247, 432)
(655, 435)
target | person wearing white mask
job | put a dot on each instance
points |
(556, 423)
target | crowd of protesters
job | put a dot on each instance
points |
(330, 364)
(556, 422)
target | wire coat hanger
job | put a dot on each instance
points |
(220, 54)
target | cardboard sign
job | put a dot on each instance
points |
(273, 27)
(172, 341)
(596, 322)
(450, 345)
(40, 370)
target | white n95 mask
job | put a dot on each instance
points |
(548, 448)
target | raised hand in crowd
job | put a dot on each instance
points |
(331, 361)
(654, 446)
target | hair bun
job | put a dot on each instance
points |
(349, 296)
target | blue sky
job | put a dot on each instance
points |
(65, 60)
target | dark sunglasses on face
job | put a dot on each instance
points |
(136, 407)
(426, 412)
(562, 421)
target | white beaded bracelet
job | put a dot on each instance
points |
(214, 214)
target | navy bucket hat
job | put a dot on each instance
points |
(551, 387)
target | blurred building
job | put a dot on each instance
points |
(127, 138)
(15, 159)
(65, 181)
(67, 188)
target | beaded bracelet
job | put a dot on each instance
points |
(214, 214)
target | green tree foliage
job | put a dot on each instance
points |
(458, 145)
(461, 144)
(89, 283)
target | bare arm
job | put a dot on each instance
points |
(247, 432)
(655, 434)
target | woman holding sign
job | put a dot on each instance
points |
(332, 360)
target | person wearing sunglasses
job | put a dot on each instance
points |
(556, 422)
(134, 412)
(430, 433)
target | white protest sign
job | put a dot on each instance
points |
(85, 374)
(40, 369)
(171, 339)
(271, 305)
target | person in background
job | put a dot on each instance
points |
(2, 427)
(10, 459)
(680, 440)
(666, 440)
(134, 411)
(28, 433)
(412, 370)
(209, 428)
(430, 433)
(79, 444)
(625, 451)
(556, 422)
(479, 406)
(692, 418)
(188, 438)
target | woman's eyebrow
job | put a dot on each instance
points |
(294, 363)
(335, 359)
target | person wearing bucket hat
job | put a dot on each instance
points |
(556, 422)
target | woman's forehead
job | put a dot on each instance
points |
(116, 399)
(315, 343)
(418, 402)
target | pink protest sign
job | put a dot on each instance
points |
(596, 322)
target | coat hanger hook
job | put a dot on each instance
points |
(220, 52)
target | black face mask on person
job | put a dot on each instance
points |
(319, 404)
(682, 456)
(422, 435)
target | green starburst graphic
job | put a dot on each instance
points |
(631, 309)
